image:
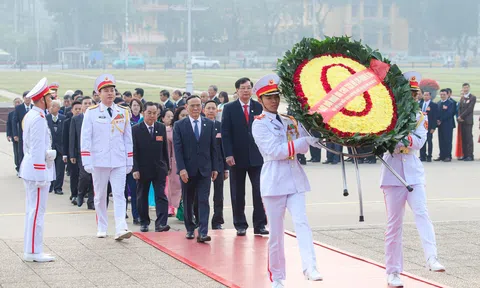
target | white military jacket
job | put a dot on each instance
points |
(279, 143)
(106, 141)
(404, 160)
(36, 141)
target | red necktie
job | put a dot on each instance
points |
(245, 111)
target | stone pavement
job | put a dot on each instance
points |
(458, 249)
(91, 262)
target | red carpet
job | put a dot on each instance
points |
(242, 261)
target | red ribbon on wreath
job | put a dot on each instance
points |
(349, 89)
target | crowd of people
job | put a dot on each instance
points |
(167, 154)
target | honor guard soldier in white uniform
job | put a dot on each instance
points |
(37, 170)
(405, 162)
(107, 154)
(283, 182)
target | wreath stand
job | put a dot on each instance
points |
(355, 155)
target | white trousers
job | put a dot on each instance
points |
(117, 178)
(35, 206)
(275, 209)
(395, 199)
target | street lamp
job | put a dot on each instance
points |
(126, 34)
(189, 9)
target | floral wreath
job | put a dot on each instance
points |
(383, 115)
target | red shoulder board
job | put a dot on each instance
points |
(259, 117)
(41, 115)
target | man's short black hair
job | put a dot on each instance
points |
(86, 98)
(127, 94)
(76, 103)
(150, 103)
(191, 97)
(211, 101)
(242, 81)
(139, 91)
(25, 93)
(67, 97)
(118, 100)
(444, 90)
(448, 90)
(78, 92)
(165, 93)
(465, 84)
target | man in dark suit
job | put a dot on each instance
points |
(465, 120)
(243, 157)
(212, 93)
(217, 219)
(150, 167)
(76, 109)
(20, 112)
(67, 105)
(196, 155)
(55, 123)
(10, 123)
(178, 100)
(449, 93)
(85, 181)
(445, 124)
(139, 92)
(165, 99)
(431, 110)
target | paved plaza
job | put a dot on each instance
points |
(85, 261)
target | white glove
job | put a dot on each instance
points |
(50, 158)
(311, 140)
(41, 184)
(88, 169)
(129, 169)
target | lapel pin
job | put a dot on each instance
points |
(205, 125)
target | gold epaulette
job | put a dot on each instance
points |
(420, 120)
(290, 117)
(93, 107)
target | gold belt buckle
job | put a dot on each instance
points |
(404, 150)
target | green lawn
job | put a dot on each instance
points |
(17, 82)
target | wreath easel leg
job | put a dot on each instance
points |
(359, 184)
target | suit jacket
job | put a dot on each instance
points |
(222, 163)
(169, 104)
(10, 124)
(64, 110)
(432, 113)
(197, 157)
(66, 137)
(237, 134)
(216, 99)
(150, 155)
(57, 136)
(465, 109)
(20, 112)
(75, 136)
(446, 113)
(181, 103)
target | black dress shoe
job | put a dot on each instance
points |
(468, 159)
(80, 201)
(74, 201)
(261, 231)
(429, 159)
(136, 222)
(203, 238)
(327, 162)
(164, 228)
(59, 192)
(447, 160)
(438, 159)
(190, 235)
(90, 207)
(241, 232)
(144, 228)
(461, 158)
(217, 227)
